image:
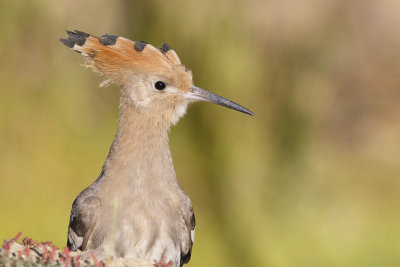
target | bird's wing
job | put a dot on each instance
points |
(190, 222)
(83, 218)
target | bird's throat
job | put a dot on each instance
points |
(140, 154)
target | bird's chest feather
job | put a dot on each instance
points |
(146, 226)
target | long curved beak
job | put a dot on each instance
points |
(198, 94)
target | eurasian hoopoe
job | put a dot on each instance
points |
(135, 208)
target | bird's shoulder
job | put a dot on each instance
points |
(84, 215)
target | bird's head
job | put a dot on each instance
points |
(152, 80)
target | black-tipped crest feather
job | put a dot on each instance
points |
(67, 42)
(108, 39)
(165, 48)
(84, 34)
(140, 45)
(76, 38)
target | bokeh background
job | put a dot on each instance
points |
(311, 180)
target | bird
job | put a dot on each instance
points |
(136, 208)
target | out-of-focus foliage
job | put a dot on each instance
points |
(311, 180)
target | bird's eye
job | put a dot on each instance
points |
(160, 85)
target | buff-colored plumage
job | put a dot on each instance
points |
(136, 208)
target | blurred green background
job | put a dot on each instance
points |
(311, 180)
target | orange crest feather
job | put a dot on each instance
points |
(120, 58)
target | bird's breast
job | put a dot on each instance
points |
(134, 225)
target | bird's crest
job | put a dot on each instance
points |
(119, 58)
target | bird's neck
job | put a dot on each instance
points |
(140, 154)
